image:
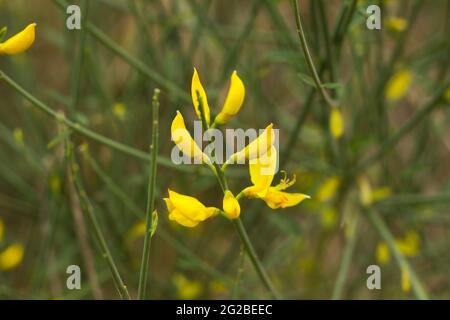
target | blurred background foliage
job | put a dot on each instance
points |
(384, 185)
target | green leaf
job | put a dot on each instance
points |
(3, 32)
(154, 223)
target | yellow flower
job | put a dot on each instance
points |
(336, 123)
(120, 110)
(136, 231)
(365, 191)
(187, 289)
(328, 217)
(406, 281)
(328, 189)
(2, 230)
(19, 42)
(196, 86)
(11, 257)
(255, 149)
(262, 172)
(447, 94)
(398, 84)
(18, 136)
(383, 255)
(231, 206)
(187, 211)
(234, 100)
(409, 244)
(184, 141)
(396, 24)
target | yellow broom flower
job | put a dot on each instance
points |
(262, 172)
(196, 86)
(234, 100)
(19, 42)
(11, 257)
(383, 255)
(406, 281)
(184, 141)
(396, 24)
(2, 230)
(398, 85)
(328, 189)
(231, 206)
(255, 149)
(336, 123)
(187, 211)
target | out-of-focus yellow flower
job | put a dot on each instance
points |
(365, 191)
(381, 193)
(119, 110)
(231, 206)
(11, 257)
(409, 245)
(406, 281)
(55, 184)
(196, 86)
(396, 24)
(328, 189)
(187, 289)
(184, 141)
(234, 100)
(255, 149)
(2, 230)
(336, 123)
(217, 287)
(187, 211)
(136, 231)
(383, 255)
(18, 136)
(328, 217)
(447, 94)
(19, 42)
(398, 84)
(262, 172)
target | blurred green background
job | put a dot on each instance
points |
(383, 185)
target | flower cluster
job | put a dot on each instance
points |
(261, 154)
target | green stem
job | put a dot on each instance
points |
(150, 201)
(402, 262)
(89, 211)
(85, 131)
(308, 57)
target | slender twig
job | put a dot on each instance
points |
(309, 60)
(150, 200)
(402, 262)
(85, 131)
(89, 211)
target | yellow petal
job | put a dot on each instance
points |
(396, 24)
(184, 141)
(19, 42)
(278, 199)
(398, 85)
(11, 257)
(262, 171)
(406, 281)
(257, 148)
(196, 86)
(328, 189)
(336, 123)
(234, 100)
(365, 191)
(383, 255)
(186, 210)
(231, 206)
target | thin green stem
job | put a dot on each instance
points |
(308, 57)
(89, 211)
(85, 131)
(150, 200)
(385, 233)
